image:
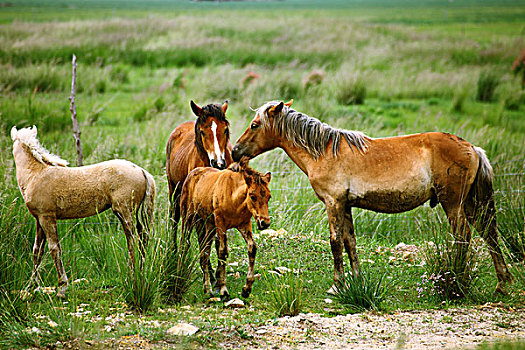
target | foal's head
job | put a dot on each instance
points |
(257, 194)
(212, 134)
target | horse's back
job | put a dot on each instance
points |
(87, 190)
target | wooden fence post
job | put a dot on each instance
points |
(72, 108)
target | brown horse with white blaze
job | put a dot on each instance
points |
(390, 175)
(201, 143)
(214, 201)
(52, 191)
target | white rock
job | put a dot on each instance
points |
(234, 303)
(328, 301)
(52, 324)
(183, 328)
(282, 269)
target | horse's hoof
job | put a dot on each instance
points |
(225, 296)
(245, 292)
(500, 290)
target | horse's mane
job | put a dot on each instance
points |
(211, 110)
(309, 133)
(27, 137)
(243, 167)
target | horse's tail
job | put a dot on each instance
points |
(483, 193)
(145, 213)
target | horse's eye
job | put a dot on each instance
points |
(253, 197)
(254, 126)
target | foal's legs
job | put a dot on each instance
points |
(126, 219)
(205, 234)
(38, 251)
(175, 209)
(246, 232)
(222, 257)
(49, 226)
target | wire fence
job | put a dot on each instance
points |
(315, 206)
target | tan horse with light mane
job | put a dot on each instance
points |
(52, 191)
(214, 201)
(390, 175)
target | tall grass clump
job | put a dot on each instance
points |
(487, 84)
(180, 270)
(458, 102)
(451, 267)
(140, 281)
(511, 226)
(287, 296)
(360, 292)
(351, 91)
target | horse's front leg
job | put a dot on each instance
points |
(350, 241)
(246, 231)
(336, 220)
(38, 253)
(222, 258)
(49, 226)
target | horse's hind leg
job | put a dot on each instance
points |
(484, 219)
(49, 226)
(38, 252)
(252, 251)
(175, 191)
(204, 235)
(126, 219)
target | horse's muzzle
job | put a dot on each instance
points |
(236, 153)
(218, 165)
(263, 224)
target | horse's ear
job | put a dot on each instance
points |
(274, 110)
(267, 177)
(34, 131)
(196, 109)
(224, 106)
(13, 133)
(289, 103)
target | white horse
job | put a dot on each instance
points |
(53, 191)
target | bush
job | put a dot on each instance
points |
(286, 294)
(487, 83)
(141, 281)
(351, 91)
(450, 269)
(458, 102)
(513, 101)
(361, 292)
(180, 271)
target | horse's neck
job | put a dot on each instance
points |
(27, 167)
(299, 156)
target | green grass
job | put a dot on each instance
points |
(139, 66)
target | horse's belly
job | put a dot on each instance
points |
(390, 201)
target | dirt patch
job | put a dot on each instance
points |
(429, 329)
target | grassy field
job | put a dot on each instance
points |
(416, 65)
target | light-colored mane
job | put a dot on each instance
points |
(309, 133)
(27, 137)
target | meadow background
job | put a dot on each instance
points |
(382, 67)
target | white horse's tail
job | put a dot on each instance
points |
(145, 213)
(483, 191)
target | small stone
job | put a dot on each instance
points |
(214, 300)
(235, 303)
(282, 269)
(52, 324)
(183, 328)
(35, 330)
(261, 331)
(328, 301)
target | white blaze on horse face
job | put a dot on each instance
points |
(218, 155)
